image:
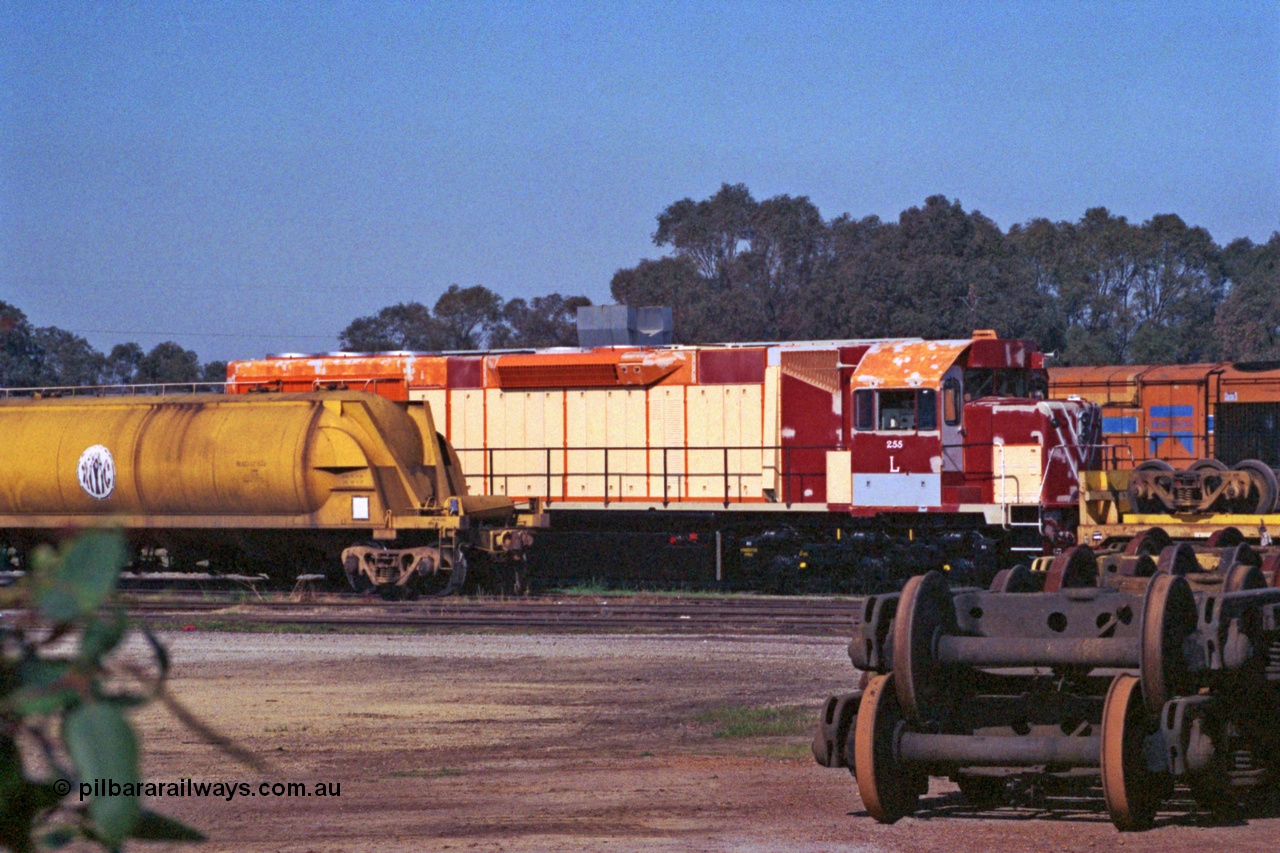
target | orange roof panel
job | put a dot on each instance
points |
(907, 364)
(1106, 385)
(591, 369)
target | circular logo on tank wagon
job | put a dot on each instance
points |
(97, 472)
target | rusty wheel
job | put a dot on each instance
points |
(1264, 492)
(1207, 465)
(1243, 576)
(924, 612)
(1074, 567)
(1132, 792)
(889, 789)
(1226, 537)
(1271, 568)
(1016, 579)
(1151, 541)
(1178, 559)
(1168, 617)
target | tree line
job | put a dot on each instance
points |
(1100, 290)
(43, 356)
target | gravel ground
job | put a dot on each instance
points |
(544, 742)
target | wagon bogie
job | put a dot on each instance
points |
(1140, 687)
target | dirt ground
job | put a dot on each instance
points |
(538, 742)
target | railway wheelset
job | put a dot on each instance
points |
(1136, 670)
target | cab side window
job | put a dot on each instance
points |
(951, 402)
(864, 409)
(927, 409)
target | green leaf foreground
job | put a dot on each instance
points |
(75, 585)
(70, 591)
(102, 746)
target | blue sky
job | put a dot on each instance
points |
(249, 177)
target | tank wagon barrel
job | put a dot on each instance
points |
(313, 471)
(1009, 687)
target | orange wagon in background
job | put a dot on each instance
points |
(1198, 437)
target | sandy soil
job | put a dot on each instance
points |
(536, 742)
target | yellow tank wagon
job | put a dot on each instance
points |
(282, 479)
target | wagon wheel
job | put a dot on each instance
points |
(1243, 576)
(1016, 579)
(1131, 791)
(924, 612)
(1238, 555)
(1148, 504)
(355, 578)
(1227, 537)
(1151, 541)
(1168, 617)
(1074, 567)
(1207, 465)
(1265, 489)
(889, 788)
(1271, 568)
(440, 584)
(1178, 559)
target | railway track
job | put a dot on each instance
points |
(746, 615)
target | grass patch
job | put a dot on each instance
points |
(747, 721)
(786, 752)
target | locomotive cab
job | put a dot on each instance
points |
(960, 426)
